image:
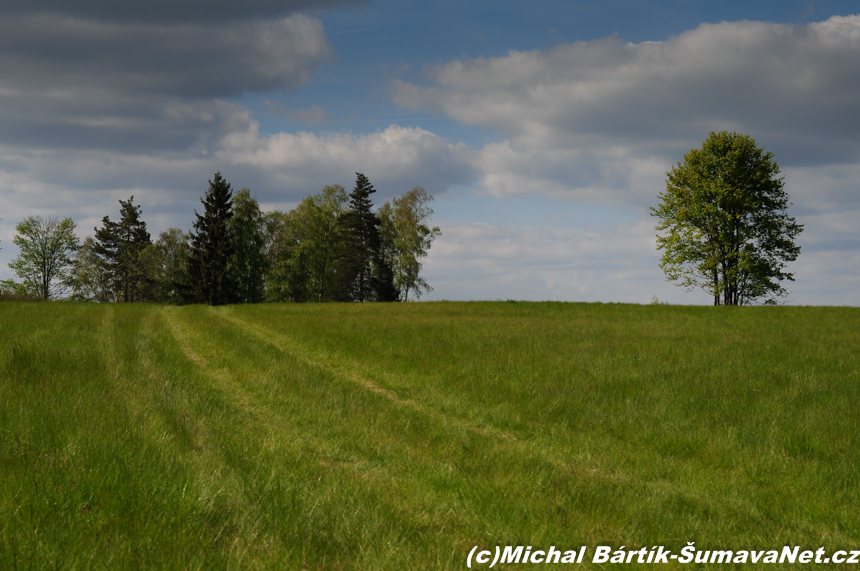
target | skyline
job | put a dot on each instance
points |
(545, 135)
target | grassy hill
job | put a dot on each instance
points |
(401, 436)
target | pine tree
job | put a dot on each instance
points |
(363, 274)
(119, 244)
(209, 279)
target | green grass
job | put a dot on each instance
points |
(398, 436)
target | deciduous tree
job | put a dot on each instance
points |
(725, 221)
(406, 238)
(166, 263)
(248, 232)
(305, 247)
(44, 259)
(90, 278)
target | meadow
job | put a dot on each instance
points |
(400, 436)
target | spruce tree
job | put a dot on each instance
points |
(119, 244)
(363, 274)
(209, 279)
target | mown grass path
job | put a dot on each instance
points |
(401, 436)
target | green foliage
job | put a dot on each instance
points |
(90, 276)
(363, 274)
(10, 290)
(44, 260)
(209, 279)
(406, 238)
(166, 264)
(248, 264)
(120, 244)
(304, 247)
(727, 230)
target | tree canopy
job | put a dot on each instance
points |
(209, 279)
(332, 247)
(406, 239)
(44, 259)
(725, 221)
(120, 245)
(305, 245)
(90, 278)
(248, 263)
(363, 274)
(166, 263)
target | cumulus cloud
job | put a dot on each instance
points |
(595, 118)
(395, 159)
(280, 169)
(481, 261)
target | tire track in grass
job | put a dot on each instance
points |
(223, 378)
(507, 444)
(385, 483)
(326, 362)
(575, 464)
(578, 467)
(168, 410)
(268, 421)
(152, 396)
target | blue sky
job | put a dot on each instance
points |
(543, 130)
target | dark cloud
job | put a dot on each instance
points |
(76, 83)
(162, 11)
(189, 60)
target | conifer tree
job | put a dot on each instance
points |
(209, 279)
(119, 244)
(363, 274)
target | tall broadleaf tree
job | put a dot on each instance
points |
(209, 279)
(248, 264)
(120, 244)
(363, 274)
(305, 247)
(90, 278)
(166, 262)
(406, 238)
(44, 260)
(728, 232)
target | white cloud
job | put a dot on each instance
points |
(280, 169)
(394, 160)
(598, 119)
(483, 261)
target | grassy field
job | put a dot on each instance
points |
(401, 436)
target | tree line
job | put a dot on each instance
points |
(332, 247)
